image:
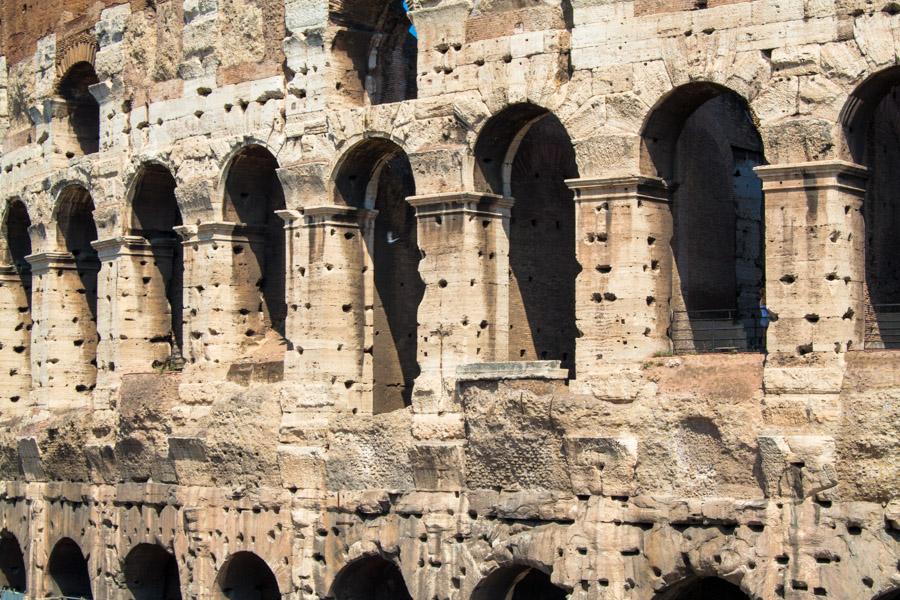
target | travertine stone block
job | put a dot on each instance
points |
(624, 226)
(15, 347)
(464, 315)
(815, 256)
(134, 319)
(64, 343)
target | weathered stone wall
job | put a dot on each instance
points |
(362, 256)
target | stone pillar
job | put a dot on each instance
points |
(134, 318)
(815, 256)
(223, 305)
(623, 233)
(15, 348)
(464, 315)
(64, 334)
(330, 306)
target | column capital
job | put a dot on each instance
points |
(620, 187)
(475, 203)
(44, 261)
(824, 174)
(112, 247)
(227, 231)
(290, 217)
(337, 215)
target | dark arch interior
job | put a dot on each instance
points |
(542, 259)
(247, 577)
(155, 214)
(253, 193)
(76, 231)
(151, 573)
(68, 571)
(374, 50)
(394, 251)
(872, 125)
(370, 578)
(518, 583)
(82, 110)
(710, 588)
(703, 141)
(18, 243)
(12, 564)
(892, 595)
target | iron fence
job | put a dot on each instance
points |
(883, 327)
(721, 330)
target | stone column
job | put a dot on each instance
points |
(815, 256)
(330, 358)
(64, 334)
(223, 306)
(134, 318)
(623, 233)
(464, 315)
(15, 348)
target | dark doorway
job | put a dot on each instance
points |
(151, 573)
(246, 576)
(253, 194)
(526, 152)
(68, 571)
(370, 578)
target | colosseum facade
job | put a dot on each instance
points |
(453, 300)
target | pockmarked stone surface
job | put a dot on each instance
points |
(450, 299)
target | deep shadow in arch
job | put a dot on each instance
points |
(67, 571)
(18, 242)
(370, 578)
(154, 216)
(75, 232)
(518, 583)
(82, 112)
(377, 175)
(374, 51)
(245, 576)
(708, 588)
(889, 595)
(253, 193)
(151, 573)
(871, 122)
(525, 152)
(701, 138)
(12, 564)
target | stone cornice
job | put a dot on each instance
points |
(620, 187)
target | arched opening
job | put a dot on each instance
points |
(518, 583)
(376, 175)
(709, 588)
(79, 111)
(871, 121)
(253, 193)
(154, 216)
(151, 573)
(15, 300)
(891, 595)
(75, 232)
(702, 140)
(370, 578)
(67, 571)
(245, 576)
(525, 152)
(12, 564)
(374, 51)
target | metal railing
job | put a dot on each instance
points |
(883, 327)
(722, 330)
